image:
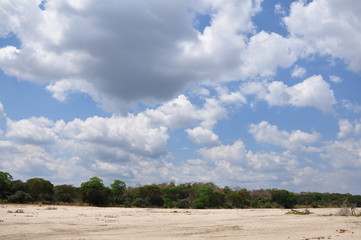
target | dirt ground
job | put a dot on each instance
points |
(81, 223)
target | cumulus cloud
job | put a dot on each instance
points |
(295, 140)
(351, 106)
(109, 138)
(134, 53)
(203, 136)
(141, 51)
(343, 154)
(330, 27)
(279, 9)
(36, 131)
(312, 92)
(234, 163)
(335, 79)
(2, 111)
(109, 145)
(298, 71)
(227, 97)
(180, 112)
(349, 129)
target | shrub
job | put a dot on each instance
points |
(314, 204)
(140, 202)
(20, 197)
(183, 203)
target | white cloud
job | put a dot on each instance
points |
(234, 163)
(335, 79)
(331, 27)
(125, 58)
(295, 140)
(2, 111)
(312, 92)
(279, 9)
(226, 97)
(203, 136)
(267, 51)
(231, 153)
(180, 112)
(343, 154)
(36, 131)
(131, 134)
(121, 59)
(349, 129)
(350, 106)
(298, 71)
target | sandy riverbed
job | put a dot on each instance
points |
(80, 223)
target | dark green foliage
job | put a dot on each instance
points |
(40, 189)
(183, 203)
(117, 189)
(203, 197)
(167, 203)
(238, 199)
(66, 193)
(18, 185)
(20, 197)
(140, 202)
(314, 205)
(284, 198)
(151, 194)
(167, 195)
(5, 184)
(94, 192)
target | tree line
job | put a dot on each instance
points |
(167, 195)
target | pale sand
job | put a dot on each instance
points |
(68, 222)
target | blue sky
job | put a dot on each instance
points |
(248, 93)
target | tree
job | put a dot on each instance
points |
(238, 199)
(284, 198)
(203, 197)
(117, 189)
(65, 193)
(40, 189)
(94, 192)
(20, 197)
(151, 194)
(5, 184)
(18, 185)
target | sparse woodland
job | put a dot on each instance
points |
(166, 195)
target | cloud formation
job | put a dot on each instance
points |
(296, 140)
(312, 92)
(2, 111)
(337, 30)
(141, 51)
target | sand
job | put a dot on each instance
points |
(80, 223)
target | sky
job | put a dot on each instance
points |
(241, 93)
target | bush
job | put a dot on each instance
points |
(20, 197)
(284, 198)
(167, 203)
(183, 203)
(314, 204)
(140, 202)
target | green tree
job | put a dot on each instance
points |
(94, 192)
(65, 193)
(18, 185)
(5, 184)
(203, 197)
(40, 189)
(20, 197)
(284, 198)
(238, 199)
(151, 194)
(117, 189)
